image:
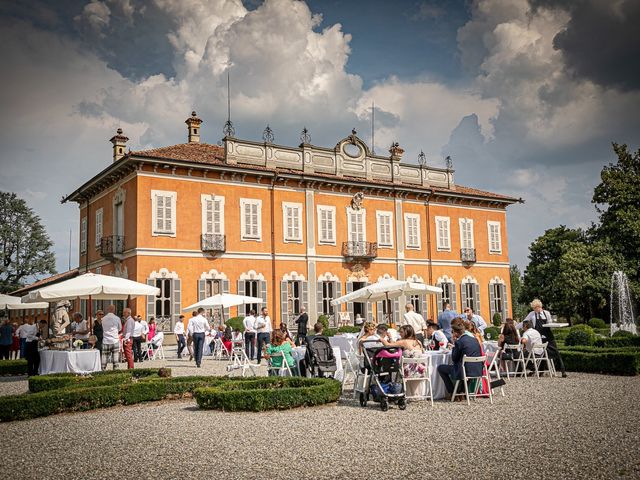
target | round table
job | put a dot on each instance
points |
(73, 361)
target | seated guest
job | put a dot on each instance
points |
(382, 330)
(280, 345)
(407, 341)
(285, 331)
(370, 334)
(237, 336)
(465, 343)
(157, 339)
(509, 336)
(227, 339)
(530, 338)
(473, 329)
(437, 338)
(318, 330)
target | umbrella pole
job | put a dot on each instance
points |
(90, 319)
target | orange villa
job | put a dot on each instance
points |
(293, 225)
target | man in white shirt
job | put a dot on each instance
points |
(21, 333)
(437, 337)
(476, 319)
(81, 329)
(138, 335)
(178, 331)
(111, 328)
(249, 323)
(197, 328)
(31, 333)
(416, 321)
(530, 338)
(127, 342)
(145, 328)
(263, 328)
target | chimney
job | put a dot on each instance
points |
(119, 142)
(193, 126)
(396, 152)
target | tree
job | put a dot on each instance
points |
(585, 276)
(617, 200)
(541, 277)
(24, 244)
(519, 309)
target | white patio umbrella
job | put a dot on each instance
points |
(26, 306)
(6, 300)
(224, 300)
(385, 290)
(91, 286)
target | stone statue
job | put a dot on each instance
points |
(61, 317)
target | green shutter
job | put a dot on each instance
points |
(151, 299)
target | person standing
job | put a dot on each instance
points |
(263, 328)
(32, 355)
(145, 328)
(138, 335)
(111, 328)
(178, 331)
(81, 329)
(98, 330)
(445, 318)
(127, 342)
(249, 323)
(538, 318)
(302, 321)
(477, 320)
(6, 339)
(197, 328)
(21, 333)
(415, 321)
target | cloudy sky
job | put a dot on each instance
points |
(526, 96)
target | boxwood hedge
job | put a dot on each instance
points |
(13, 367)
(110, 377)
(268, 393)
(621, 362)
(632, 341)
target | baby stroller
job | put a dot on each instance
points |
(383, 377)
(319, 358)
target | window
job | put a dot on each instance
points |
(495, 242)
(470, 297)
(412, 230)
(466, 233)
(443, 237)
(497, 303)
(250, 288)
(294, 297)
(98, 227)
(163, 213)
(326, 225)
(356, 225)
(328, 294)
(291, 221)
(416, 301)
(163, 301)
(83, 235)
(213, 287)
(212, 215)
(251, 219)
(385, 231)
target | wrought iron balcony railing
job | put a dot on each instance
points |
(468, 255)
(359, 249)
(111, 246)
(213, 242)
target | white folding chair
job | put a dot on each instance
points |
(147, 351)
(423, 379)
(494, 366)
(157, 352)
(477, 391)
(239, 360)
(283, 370)
(351, 368)
(517, 360)
(219, 351)
(537, 359)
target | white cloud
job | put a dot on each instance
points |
(96, 14)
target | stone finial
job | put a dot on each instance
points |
(193, 127)
(396, 152)
(119, 142)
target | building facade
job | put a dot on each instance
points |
(293, 225)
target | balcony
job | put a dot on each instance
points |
(213, 242)
(111, 246)
(360, 250)
(468, 255)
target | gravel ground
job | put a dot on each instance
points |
(585, 426)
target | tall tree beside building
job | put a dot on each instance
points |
(24, 244)
(518, 307)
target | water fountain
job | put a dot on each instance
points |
(620, 303)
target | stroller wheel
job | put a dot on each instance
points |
(384, 405)
(363, 400)
(402, 404)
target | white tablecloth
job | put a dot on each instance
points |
(490, 346)
(299, 352)
(437, 358)
(344, 342)
(76, 361)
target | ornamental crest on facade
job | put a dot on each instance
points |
(357, 201)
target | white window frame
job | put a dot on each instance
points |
(380, 214)
(331, 211)
(99, 225)
(243, 220)
(440, 246)
(204, 198)
(416, 217)
(498, 242)
(285, 223)
(83, 235)
(362, 212)
(462, 221)
(173, 196)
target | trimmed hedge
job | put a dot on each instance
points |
(596, 323)
(580, 335)
(55, 381)
(13, 367)
(236, 323)
(268, 393)
(349, 329)
(493, 331)
(625, 341)
(622, 333)
(617, 363)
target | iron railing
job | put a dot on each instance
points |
(468, 255)
(213, 242)
(111, 245)
(359, 249)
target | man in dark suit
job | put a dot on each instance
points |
(464, 345)
(302, 321)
